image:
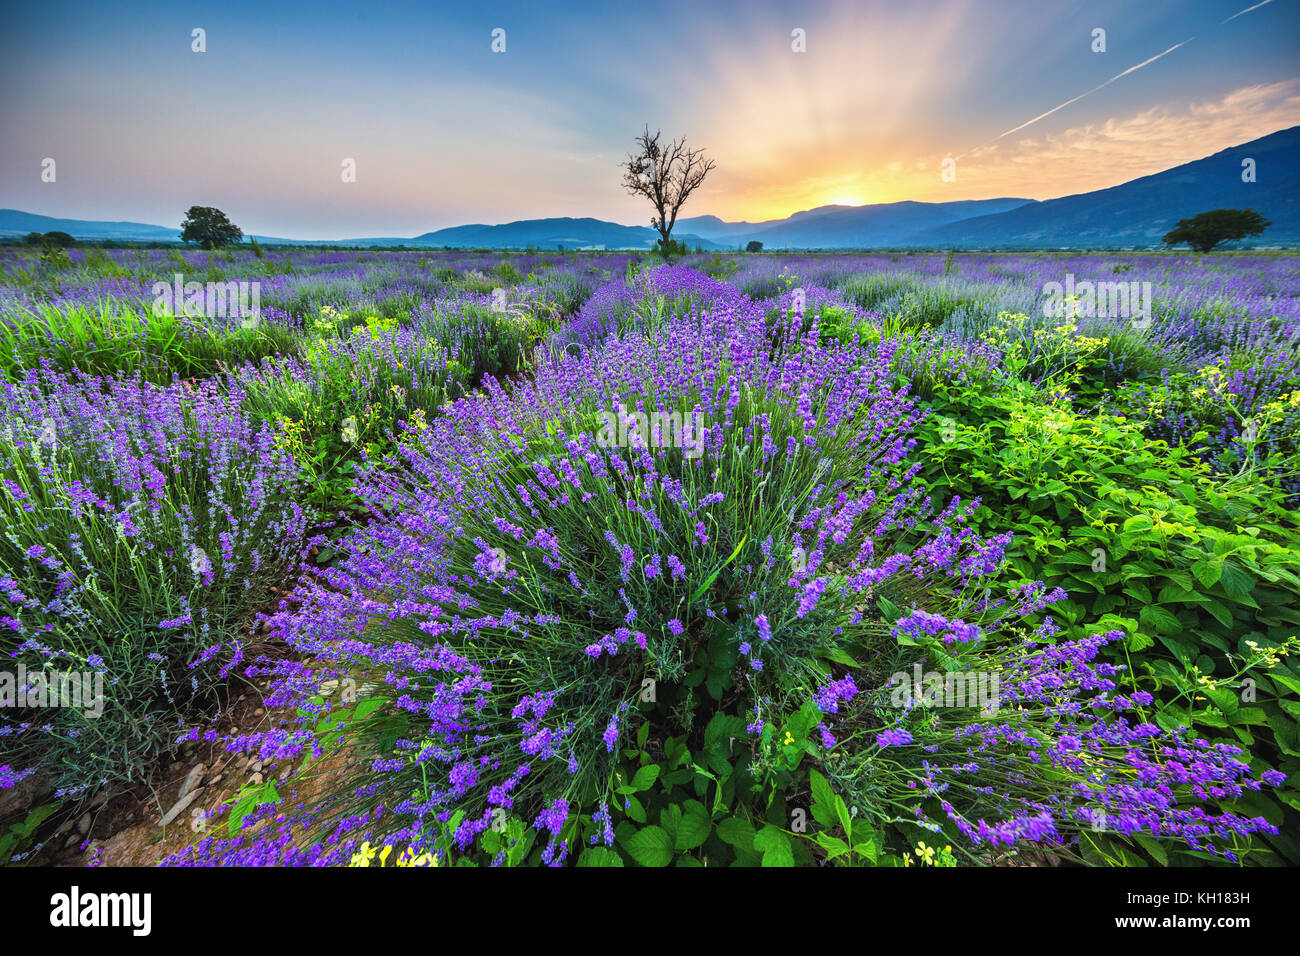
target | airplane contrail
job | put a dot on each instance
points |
(1131, 69)
(1247, 10)
(1117, 76)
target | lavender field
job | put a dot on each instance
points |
(912, 559)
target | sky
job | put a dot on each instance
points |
(443, 130)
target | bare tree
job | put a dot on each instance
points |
(666, 175)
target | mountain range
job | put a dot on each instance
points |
(1135, 214)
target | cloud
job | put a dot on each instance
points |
(1098, 155)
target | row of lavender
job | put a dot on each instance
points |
(644, 643)
(165, 472)
(1239, 312)
(505, 548)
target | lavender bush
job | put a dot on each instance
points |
(143, 525)
(553, 584)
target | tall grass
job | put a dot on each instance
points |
(129, 339)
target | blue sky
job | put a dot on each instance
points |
(444, 131)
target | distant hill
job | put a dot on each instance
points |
(537, 233)
(14, 222)
(1132, 215)
(848, 227)
(549, 233)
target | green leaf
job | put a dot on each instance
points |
(712, 577)
(34, 819)
(737, 832)
(523, 843)
(599, 856)
(823, 807)
(1208, 572)
(1153, 847)
(1220, 612)
(677, 778)
(1138, 523)
(252, 798)
(775, 846)
(1138, 642)
(868, 848)
(694, 829)
(834, 846)
(838, 655)
(1238, 584)
(1138, 592)
(722, 728)
(645, 777)
(634, 809)
(670, 818)
(718, 763)
(368, 706)
(1176, 594)
(1222, 697)
(846, 820)
(1160, 619)
(650, 846)
(1250, 715)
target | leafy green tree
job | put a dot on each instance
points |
(1205, 231)
(56, 238)
(209, 227)
(754, 246)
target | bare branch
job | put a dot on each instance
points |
(665, 175)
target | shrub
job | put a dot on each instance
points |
(483, 336)
(143, 525)
(1203, 580)
(583, 572)
(344, 401)
(570, 611)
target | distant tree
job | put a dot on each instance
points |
(665, 174)
(58, 238)
(1205, 231)
(209, 227)
(754, 246)
(33, 238)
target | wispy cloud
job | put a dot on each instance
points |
(1098, 155)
